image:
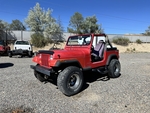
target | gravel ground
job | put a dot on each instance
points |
(21, 92)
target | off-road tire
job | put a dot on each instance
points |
(70, 80)
(39, 76)
(114, 68)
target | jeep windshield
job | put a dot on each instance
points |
(79, 40)
(22, 43)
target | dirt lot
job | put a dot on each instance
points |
(21, 92)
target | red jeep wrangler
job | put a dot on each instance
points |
(81, 53)
(4, 48)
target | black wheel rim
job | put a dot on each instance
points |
(74, 81)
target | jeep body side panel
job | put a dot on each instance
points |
(108, 55)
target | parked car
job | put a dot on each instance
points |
(23, 48)
(4, 48)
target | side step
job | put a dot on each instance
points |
(101, 70)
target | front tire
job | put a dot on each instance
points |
(114, 68)
(70, 80)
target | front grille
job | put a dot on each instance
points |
(44, 59)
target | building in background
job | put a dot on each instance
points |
(11, 36)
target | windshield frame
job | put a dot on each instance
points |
(79, 40)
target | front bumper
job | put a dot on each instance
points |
(19, 52)
(41, 69)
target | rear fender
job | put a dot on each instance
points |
(113, 56)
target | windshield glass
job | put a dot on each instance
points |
(22, 43)
(79, 40)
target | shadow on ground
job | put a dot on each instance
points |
(89, 77)
(6, 65)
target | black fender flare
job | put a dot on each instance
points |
(113, 56)
(59, 63)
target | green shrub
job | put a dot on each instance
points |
(130, 50)
(121, 41)
(38, 40)
(49, 40)
(138, 41)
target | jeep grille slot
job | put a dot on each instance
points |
(44, 59)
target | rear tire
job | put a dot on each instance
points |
(70, 80)
(114, 68)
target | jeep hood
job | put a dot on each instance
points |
(63, 54)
